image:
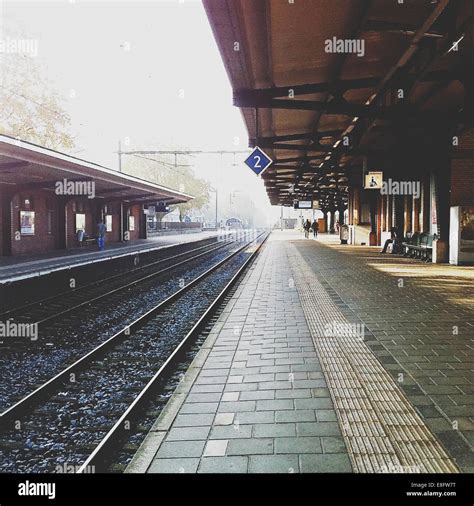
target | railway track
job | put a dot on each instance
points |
(58, 305)
(66, 333)
(79, 415)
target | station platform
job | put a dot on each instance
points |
(22, 267)
(328, 358)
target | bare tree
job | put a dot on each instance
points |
(30, 108)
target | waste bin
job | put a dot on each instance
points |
(344, 234)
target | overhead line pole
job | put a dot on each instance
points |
(175, 153)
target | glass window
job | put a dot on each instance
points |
(108, 222)
(131, 223)
(27, 222)
(80, 222)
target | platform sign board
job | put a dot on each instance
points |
(258, 161)
(373, 180)
(27, 222)
(304, 204)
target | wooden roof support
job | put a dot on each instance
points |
(337, 87)
(378, 25)
(394, 74)
(295, 137)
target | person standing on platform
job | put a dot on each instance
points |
(101, 229)
(315, 228)
(306, 226)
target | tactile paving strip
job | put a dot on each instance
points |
(382, 430)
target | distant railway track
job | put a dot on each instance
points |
(70, 328)
(50, 308)
(78, 416)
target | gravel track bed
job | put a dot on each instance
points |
(65, 341)
(65, 429)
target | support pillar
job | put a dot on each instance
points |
(326, 228)
(6, 223)
(373, 218)
(341, 215)
(426, 216)
(441, 163)
(62, 223)
(442, 189)
(407, 201)
(383, 213)
(356, 206)
(333, 220)
(143, 231)
(416, 213)
(389, 206)
(123, 222)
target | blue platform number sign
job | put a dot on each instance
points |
(258, 161)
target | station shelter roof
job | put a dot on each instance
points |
(301, 96)
(26, 166)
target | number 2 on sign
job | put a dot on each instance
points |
(257, 164)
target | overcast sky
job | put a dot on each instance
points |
(147, 71)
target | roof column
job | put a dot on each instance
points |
(6, 222)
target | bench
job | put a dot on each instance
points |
(87, 242)
(419, 246)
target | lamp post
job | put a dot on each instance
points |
(212, 189)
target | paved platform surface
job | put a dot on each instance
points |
(328, 359)
(12, 268)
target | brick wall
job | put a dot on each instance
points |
(41, 240)
(135, 211)
(44, 201)
(114, 236)
(462, 174)
(1, 222)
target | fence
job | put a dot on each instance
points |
(177, 227)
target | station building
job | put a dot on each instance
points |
(337, 91)
(47, 197)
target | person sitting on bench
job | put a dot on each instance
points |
(80, 236)
(394, 241)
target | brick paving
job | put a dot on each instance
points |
(256, 399)
(420, 322)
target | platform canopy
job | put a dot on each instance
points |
(25, 166)
(318, 107)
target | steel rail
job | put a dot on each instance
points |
(98, 282)
(129, 285)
